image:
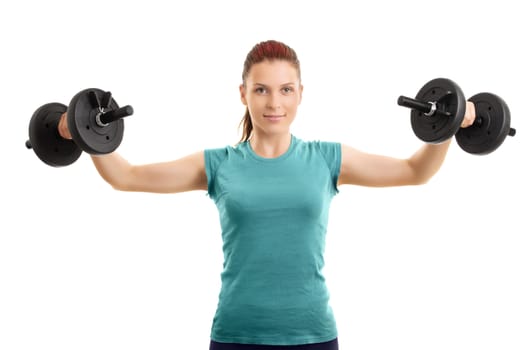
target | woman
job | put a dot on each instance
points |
(273, 192)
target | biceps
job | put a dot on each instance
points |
(185, 174)
(359, 168)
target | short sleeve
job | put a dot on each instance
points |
(331, 152)
(213, 158)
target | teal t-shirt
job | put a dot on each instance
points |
(273, 214)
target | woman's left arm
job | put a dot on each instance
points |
(360, 168)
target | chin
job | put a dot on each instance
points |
(277, 131)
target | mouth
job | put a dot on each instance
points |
(273, 116)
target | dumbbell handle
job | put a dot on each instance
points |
(429, 108)
(104, 118)
(111, 116)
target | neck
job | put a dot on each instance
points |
(270, 146)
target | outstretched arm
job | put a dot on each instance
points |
(360, 168)
(181, 175)
(185, 174)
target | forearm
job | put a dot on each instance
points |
(113, 168)
(428, 160)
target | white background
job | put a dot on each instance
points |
(440, 266)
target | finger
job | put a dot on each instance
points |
(63, 129)
(470, 115)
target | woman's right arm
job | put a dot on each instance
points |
(185, 174)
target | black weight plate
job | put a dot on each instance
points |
(49, 146)
(439, 128)
(491, 127)
(91, 137)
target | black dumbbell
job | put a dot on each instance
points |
(438, 111)
(94, 120)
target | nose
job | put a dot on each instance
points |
(273, 102)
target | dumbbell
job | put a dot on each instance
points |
(438, 111)
(94, 120)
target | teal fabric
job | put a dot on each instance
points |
(274, 214)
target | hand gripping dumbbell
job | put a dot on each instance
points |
(438, 111)
(94, 120)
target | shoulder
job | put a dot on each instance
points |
(215, 156)
(327, 148)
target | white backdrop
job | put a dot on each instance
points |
(82, 266)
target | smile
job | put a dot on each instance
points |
(273, 117)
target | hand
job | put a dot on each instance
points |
(63, 130)
(470, 115)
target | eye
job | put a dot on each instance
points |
(260, 90)
(287, 89)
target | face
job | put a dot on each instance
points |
(272, 92)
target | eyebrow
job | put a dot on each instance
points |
(260, 84)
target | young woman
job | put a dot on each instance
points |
(273, 192)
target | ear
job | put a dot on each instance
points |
(242, 90)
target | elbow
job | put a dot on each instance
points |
(122, 185)
(419, 178)
(420, 175)
(119, 187)
(119, 184)
(125, 180)
(420, 182)
(422, 179)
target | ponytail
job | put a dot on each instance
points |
(247, 127)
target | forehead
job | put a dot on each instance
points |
(273, 72)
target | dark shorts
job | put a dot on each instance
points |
(331, 345)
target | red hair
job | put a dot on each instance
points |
(266, 50)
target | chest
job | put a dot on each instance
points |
(299, 189)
